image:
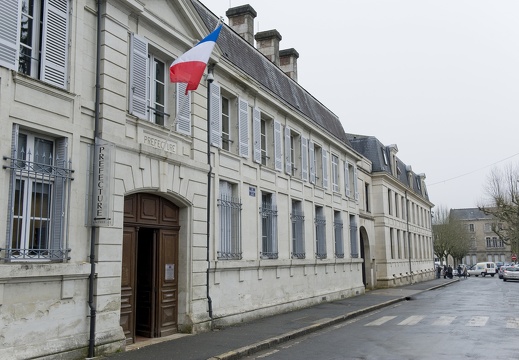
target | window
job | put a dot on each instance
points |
(230, 222)
(156, 99)
(292, 152)
(338, 237)
(366, 197)
(471, 227)
(335, 173)
(298, 231)
(353, 237)
(320, 233)
(39, 196)
(318, 165)
(488, 227)
(226, 125)
(264, 152)
(268, 212)
(384, 156)
(35, 39)
(350, 181)
(389, 202)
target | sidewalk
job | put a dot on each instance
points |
(244, 339)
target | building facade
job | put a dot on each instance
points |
(485, 245)
(136, 209)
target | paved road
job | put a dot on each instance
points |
(477, 318)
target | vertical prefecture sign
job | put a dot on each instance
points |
(102, 182)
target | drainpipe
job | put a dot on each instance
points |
(209, 79)
(93, 229)
(408, 235)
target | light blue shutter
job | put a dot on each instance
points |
(10, 33)
(346, 179)
(278, 155)
(183, 110)
(138, 76)
(12, 180)
(59, 196)
(243, 127)
(304, 158)
(288, 152)
(216, 112)
(325, 169)
(256, 126)
(355, 183)
(312, 161)
(54, 53)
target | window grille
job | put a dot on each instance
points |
(320, 234)
(298, 235)
(353, 238)
(339, 241)
(268, 211)
(230, 228)
(39, 198)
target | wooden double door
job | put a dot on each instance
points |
(149, 278)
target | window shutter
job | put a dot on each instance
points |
(312, 161)
(256, 123)
(304, 158)
(54, 53)
(215, 124)
(243, 127)
(347, 179)
(288, 153)
(138, 76)
(278, 155)
(10, 201)
(183, 110)
(10, 34)
(59, 195)
(325, 169)
(355, 183)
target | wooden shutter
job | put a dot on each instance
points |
(138, 76)
(54, 53)
(215, 123)
(312, 161)
(256, 126)
(304, 158)
(10, 34)
(278, 155)
(183, 116)
(243, 128)
(288, 152)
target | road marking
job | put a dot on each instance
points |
(411, 320)
(478, 321)
(380, 321)
(512, 323)
(444, 321)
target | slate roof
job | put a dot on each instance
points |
(470, 214)
(251, 61)
(372, 148)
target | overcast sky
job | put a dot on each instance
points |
(439, 78)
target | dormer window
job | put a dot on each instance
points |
(384, 155)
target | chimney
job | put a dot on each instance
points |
(241, 20)
(268, 44)
(288, 62)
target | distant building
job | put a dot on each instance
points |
(485, 245)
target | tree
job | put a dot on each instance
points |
(450, 236)
(503, 204)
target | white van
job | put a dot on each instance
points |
(483, 269)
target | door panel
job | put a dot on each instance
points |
(146, 282)
(128, 284)
(167, 282)
(149, 209)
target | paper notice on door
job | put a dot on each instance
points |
(170, 272)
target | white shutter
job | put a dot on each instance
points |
(325, 169)
(278, 155)
(54, 52)
(12, 181)
(288, 152)
(256, 125)
(59, 197)
(346, 179)
(312, 161)
(243, 127)
(304, 158)
(183, 110)
(10, 33)
(138, 76)
(215, 123)
(355, 183)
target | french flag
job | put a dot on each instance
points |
(190, 66)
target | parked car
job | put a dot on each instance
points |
(510, 273)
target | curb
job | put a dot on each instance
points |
(276, 340)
